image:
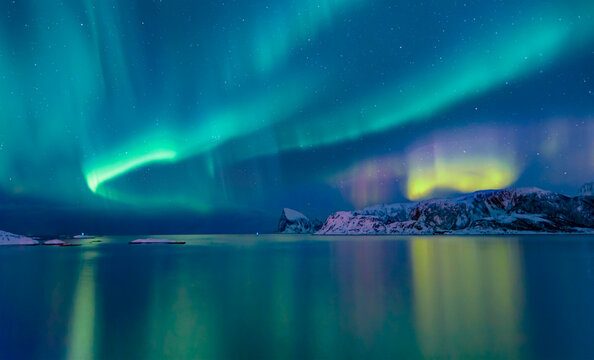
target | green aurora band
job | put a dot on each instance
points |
(78, 74)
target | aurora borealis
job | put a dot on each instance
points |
(204, 109)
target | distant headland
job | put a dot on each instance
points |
(507, 211)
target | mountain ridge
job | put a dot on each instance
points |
(506, 211)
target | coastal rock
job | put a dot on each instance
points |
(7, 238)
(508, 211)
(155, 241)
(587, 189)
(294, 222)
(55, 242)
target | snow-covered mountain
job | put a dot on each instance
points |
(294, 222)
(7, 238)
(484, 212)
(587, 189)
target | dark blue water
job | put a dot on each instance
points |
(282, 297)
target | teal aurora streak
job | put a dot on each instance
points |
(98, 90)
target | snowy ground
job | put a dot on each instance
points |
(7, 238)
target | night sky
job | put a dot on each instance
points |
(168, 116)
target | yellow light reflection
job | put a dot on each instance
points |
(82, 324)
(468, 298)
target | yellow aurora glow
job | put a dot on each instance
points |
(463, 174)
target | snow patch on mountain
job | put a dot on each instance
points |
(294, 222)
(505, 211)
(7, 238)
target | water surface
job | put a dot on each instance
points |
(293, 296)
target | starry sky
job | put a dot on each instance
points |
(181, 116)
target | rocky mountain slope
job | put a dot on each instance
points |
(522, 210)
(294, 222)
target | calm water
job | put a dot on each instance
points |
(283, 296)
